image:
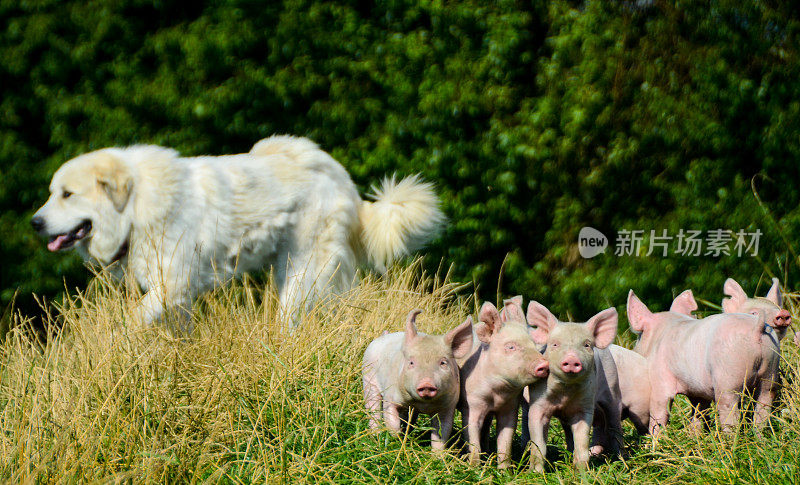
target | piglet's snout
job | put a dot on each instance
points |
(571, 364)
(541, 368)
(427, 389)
(783, 319)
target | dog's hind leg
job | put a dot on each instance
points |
(294, 295)
(307, 281)
(293, 290)
(321, 261)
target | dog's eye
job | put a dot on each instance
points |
(66, 194)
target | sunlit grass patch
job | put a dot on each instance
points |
(244, 400)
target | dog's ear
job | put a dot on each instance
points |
(114, 177)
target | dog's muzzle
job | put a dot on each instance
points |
(63, 241)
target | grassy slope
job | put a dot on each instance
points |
(244, 402)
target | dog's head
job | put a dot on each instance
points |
(88, 206)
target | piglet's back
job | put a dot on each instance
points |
(719, 344)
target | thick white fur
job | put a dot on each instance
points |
(192, 223)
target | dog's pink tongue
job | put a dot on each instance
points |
(56, 243)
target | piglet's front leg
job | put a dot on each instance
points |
(394, 416)
(538, 424)
(580, 433)
(442, 424)
(506, 426)
(660, 403)
(474, 416)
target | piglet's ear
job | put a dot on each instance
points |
(736, 296)
(460, 339)
(512, 310)
(775, 295)
(411, 328)
(483, 332)
(639, 316)
(490, 322)
(684, 304)
(542, 320)
(517, 300)
(604, 327)
(489, 315)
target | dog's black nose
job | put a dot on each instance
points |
(37, 223)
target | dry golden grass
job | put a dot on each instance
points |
(106, 397)
(242, 400)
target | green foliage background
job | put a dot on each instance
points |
(534, 118)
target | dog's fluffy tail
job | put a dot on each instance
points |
(404, 216)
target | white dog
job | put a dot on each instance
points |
(183, 225)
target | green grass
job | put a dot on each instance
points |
(243, 401)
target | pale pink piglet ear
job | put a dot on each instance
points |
(512, 310)
(411, 328)
(490, 322)
(774, 295)
(517, 300)
(684, 304)
(639, 316)
(736, 296)
(542, 320)
(460, 339)
(604, 327)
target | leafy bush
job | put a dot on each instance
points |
(533, 118)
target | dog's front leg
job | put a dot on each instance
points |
(151, 307)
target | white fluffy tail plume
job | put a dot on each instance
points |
(404, 216)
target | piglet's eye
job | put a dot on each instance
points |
(511, 346)
(443, 363)
(411, 363)
(66, 194)
(587, 345)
